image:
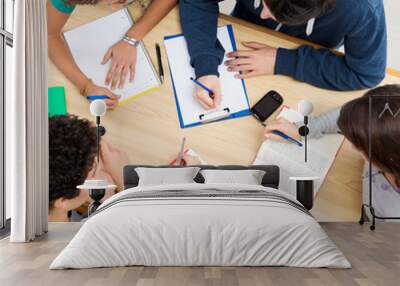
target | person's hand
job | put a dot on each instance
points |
(113, 161)
(112, 100)
(259, 60)
(282, 125)
(188, 160)
(123, 62)
(203, 97)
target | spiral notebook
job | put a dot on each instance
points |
(290, 158)
(90, 42)
(234, 103)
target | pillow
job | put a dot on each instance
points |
(166, 176)
(245, 177)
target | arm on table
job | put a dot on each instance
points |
(113, 162)
(325, 123)
(363, 65)
(61, 56)
(123, 55)
(199, 19)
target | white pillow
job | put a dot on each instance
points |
(166, 176)
(245, 177)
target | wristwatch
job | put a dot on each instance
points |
(131, 41)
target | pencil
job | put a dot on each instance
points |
(179, 159)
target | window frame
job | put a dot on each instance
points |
(6, 39)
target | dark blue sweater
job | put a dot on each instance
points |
(359, 25)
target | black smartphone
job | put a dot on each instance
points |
(267, 105)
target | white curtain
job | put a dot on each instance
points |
(27, 123)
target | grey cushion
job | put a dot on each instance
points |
(166, 176)
(244, 177)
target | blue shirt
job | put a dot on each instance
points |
(63, 6)
(358, 25)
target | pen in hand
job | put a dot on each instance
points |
(210, 92)
(284, 136)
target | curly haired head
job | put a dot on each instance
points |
(72, 150)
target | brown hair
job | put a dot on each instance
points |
(385, 136)
(72, 152)
(298, 12)
(81, 2)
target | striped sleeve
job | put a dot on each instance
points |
(325, 123)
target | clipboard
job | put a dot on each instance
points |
(235, 102)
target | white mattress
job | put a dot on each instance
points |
(200, 231)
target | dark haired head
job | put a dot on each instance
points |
(298, 12)
(72, 149)
(354, 124)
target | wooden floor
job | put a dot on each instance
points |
(375, 257)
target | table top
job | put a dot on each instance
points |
(147, 128)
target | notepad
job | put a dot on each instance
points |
(56, 101)
(90, 42)
(290, 158)
(234, 96)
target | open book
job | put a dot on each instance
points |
(90, 42)
(290, 157)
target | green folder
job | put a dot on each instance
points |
(56, 101)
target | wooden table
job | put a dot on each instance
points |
(147, 128)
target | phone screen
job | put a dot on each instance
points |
(267, 105)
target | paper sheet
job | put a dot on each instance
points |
(90, 42)
(233, 91)
(290, 157)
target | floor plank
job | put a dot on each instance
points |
(375, 257)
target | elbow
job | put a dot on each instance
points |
(371, 81)
(362, 81)
(51, 36)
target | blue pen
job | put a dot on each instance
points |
(288, 138)
(210, 92)
(94, 97)
(284, 136)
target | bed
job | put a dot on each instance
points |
(201, 224)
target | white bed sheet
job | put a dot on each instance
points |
(200, 232)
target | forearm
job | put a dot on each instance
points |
(199, 19)
(62, 58)
(157, 10)
(325, 123)
(324, 69)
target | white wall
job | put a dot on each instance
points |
(393, 24)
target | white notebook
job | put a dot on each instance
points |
(90, 42)
(290, 157)
(234, 96)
